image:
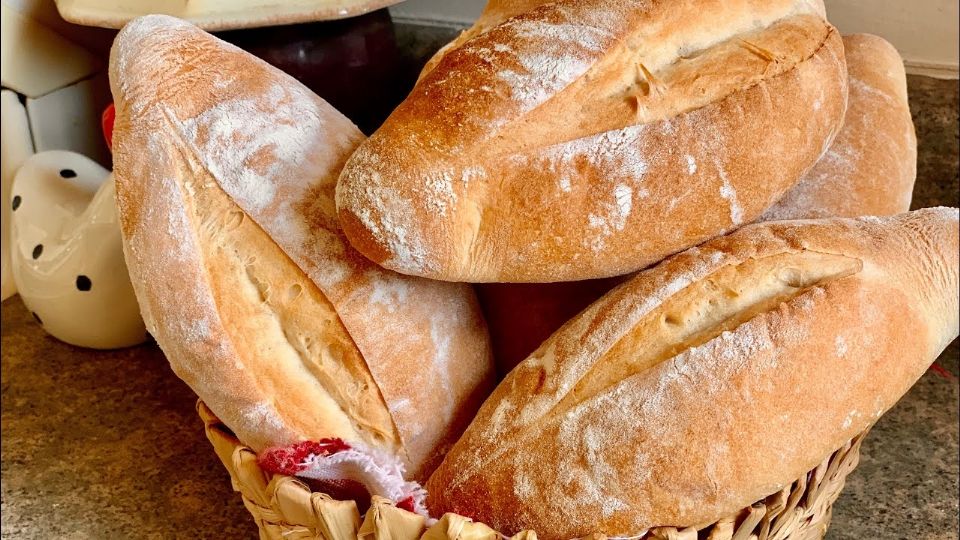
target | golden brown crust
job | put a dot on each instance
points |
(225, 171)
(582, 438)
(268, 305)
(497, 11)
(494, 13)
(577, 141)
(871, 167)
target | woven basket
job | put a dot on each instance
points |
(285, 509)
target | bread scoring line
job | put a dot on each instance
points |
(507, 152)
(559, 410)
(193, 156)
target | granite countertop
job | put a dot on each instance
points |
(108, 444)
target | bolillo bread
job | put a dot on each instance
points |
(587, 139)
(872, 165)
(711, 380)
(225, 171)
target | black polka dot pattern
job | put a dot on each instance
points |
(37, 317)
(84, 283)
(16, 202)
(37, 251)
(68, 173)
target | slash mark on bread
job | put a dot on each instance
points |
(221, 223)
(702, 311)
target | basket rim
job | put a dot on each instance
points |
(284, 505)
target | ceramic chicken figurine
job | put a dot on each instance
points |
(16, 148)
(67, 253)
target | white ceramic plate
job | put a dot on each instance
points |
(216, 14)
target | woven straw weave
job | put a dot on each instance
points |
(285, 509)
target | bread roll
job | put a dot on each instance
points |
(711, 380)
(225, 173)
(586, 139)
(872, 165)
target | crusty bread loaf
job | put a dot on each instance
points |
(872, 164)
(225, 174)
(585, 139)
(711, 380)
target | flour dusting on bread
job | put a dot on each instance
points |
(541, 74)
(553, 109)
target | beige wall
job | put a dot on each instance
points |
(442, 11)
(924, 31)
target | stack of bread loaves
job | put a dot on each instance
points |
(311, 286)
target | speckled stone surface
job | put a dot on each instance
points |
(907, 483)
(104, 445)
(108, 445)
(933, 104)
